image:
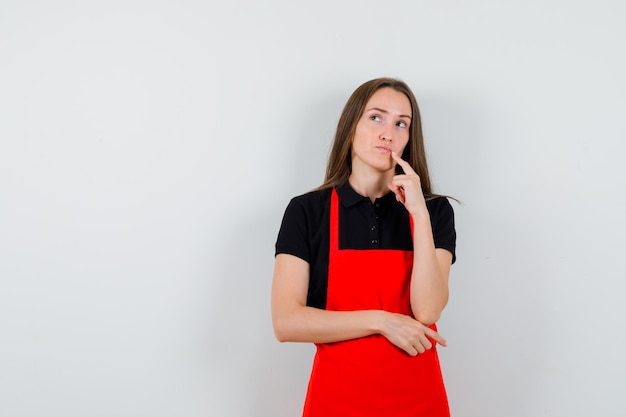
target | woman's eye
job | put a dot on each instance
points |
(375, 118)
(402, 124)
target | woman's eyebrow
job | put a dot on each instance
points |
(386, 112)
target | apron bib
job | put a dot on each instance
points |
(369, 376)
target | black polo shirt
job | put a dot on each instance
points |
(363, 225)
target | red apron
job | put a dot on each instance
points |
(369, 376)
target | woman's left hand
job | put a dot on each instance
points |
(407, 187)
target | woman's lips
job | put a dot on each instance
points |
(383, 149)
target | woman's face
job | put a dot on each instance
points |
(382, 128)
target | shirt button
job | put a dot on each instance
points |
(377, 204)
(373, 228)
(374, 241)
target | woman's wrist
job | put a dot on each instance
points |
(378, 321)
(421, 218)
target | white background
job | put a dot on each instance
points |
(148, 150)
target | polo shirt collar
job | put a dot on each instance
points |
(349, 197)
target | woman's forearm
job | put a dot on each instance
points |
(294, 321)
(309, 324)
(429, 278)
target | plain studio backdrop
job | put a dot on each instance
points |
(148, 150)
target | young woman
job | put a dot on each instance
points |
(362, 266)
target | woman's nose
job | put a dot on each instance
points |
(386, 134)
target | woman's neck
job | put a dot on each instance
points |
(372, 186)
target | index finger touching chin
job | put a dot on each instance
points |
(396, 157)
(404, 164)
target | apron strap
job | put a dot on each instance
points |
(334, 221)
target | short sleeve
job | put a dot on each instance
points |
(293, 236)
(442, 222)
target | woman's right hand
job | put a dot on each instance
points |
(409, 334)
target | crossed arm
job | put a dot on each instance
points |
(294, 321)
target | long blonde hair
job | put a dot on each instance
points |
(340, 158)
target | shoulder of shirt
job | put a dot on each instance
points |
(312, 197)
(438, 203)
(311, 207)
